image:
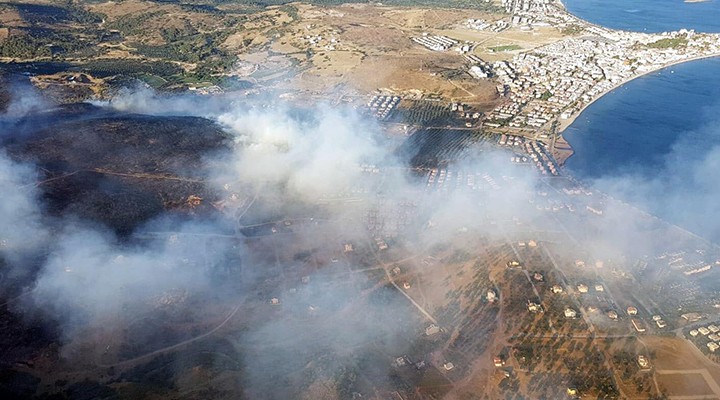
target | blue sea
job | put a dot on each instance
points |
(648, 15)
(655, 141)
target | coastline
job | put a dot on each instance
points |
(565, 123)
(567, 151)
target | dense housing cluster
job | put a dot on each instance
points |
(707, 334)
(560, 78)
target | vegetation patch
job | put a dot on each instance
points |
(669, 43)
(110, 67)
(572, 29)
(507, 47)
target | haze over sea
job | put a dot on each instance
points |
(655, 141)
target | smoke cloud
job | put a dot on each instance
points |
(309, 158)
(314, 179)
(685, 187)
(25, 99)
(287, 157)
(89, 274)
(22, 228)
(140, 99)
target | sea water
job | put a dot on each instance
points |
(655, 141)
(649, 15)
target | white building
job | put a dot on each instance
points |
(491, 296)
(432, 329)
(570, 313)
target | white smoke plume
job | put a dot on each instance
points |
(287, 159)
(685, 188)
(25, 100)
(310, 158)
(22, 227)
(89, 274)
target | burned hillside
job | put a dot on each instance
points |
(118, 169)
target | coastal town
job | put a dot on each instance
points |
(542, 89)
(557, 81)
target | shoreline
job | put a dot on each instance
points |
(566, 152)
(566, 123)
